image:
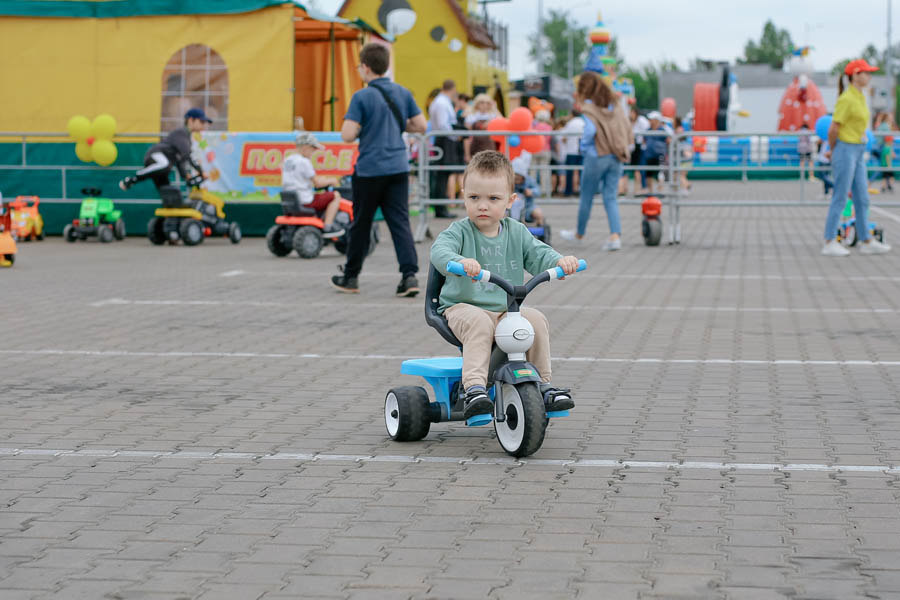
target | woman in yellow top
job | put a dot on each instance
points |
(847, 138)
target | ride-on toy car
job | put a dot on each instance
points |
(96, 217)
(300, 228)
(520, 419)
(651, 226)
(190, 219)
(26, 222)
(7, 241)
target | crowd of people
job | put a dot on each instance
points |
(555, 167)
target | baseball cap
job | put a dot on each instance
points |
(521, 163)
(197, 113)
(859, 65)
(655, 114)
(307, 139)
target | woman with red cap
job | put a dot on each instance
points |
(847, 137)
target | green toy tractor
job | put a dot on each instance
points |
(97, 217)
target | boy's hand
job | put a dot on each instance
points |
(471, 266)
(528, 193)
(569, 265)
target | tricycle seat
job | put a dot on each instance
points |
(450, 366)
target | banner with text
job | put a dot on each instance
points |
(246, 167)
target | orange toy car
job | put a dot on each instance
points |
(26, 222)
(7, 241)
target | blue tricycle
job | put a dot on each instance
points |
(520, 419)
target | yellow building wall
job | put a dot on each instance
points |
(56, 68)
(480, 72)
(421, 63)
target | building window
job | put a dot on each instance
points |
(195, 77)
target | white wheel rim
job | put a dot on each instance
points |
(511, 431)
(391, 408)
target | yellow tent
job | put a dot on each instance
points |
(253, 65)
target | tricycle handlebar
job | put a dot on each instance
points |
(457, 268)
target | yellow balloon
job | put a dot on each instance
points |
(83, 152)
(103, 127)
(79, 127)
(105, 152)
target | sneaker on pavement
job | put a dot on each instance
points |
(409, 287)
(834, 248)
(127, 183)
(347, 285)
(477, 402)
(569, 235)
(874, 247)
(332, 231)
(613, 245)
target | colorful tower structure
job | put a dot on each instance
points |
(601, 62)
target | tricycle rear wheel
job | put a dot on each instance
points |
(406, 415)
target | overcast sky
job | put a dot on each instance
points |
(652, 30)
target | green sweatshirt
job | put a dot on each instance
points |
(508, 255)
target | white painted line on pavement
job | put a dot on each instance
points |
(583, 359)
(885, 213)
(305, 275)
(234, 273)
(461, 460)
(418, 307)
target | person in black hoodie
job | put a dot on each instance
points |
(173, 150)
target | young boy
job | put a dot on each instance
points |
(299, 176)
(174, 150)
(525, 190)
(486, 238)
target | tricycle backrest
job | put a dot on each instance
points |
(432, 302)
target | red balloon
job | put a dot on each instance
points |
(498, 124)
(532, 143)
(668, 107)
(515, 152)
(520, 119)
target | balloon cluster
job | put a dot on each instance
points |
(519, 120)
(93, 140)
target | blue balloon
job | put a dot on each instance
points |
(823, 123)
(870, 140)
(514, 141)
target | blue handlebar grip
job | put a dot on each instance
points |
(560, 273)
(457, 269)
(582, 265)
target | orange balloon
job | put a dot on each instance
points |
(532, 143)
(520, 119)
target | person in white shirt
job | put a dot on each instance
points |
(639, 124)
(298, 176)
(442, 117)
(569, 143)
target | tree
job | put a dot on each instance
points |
(646, 82)
(773, 48)
(554, 42)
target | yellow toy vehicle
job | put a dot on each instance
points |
(191, 219)
(7, 241)
(26, 222)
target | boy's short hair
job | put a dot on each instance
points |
(376, 57)
(491, 162)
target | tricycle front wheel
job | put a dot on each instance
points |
(522, 431)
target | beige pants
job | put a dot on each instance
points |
(474, 327)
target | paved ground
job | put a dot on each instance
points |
(206, 423)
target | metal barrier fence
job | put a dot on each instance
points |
(670, 191)
(64, 169)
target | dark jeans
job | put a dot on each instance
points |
(391, 193)
(571, 160)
